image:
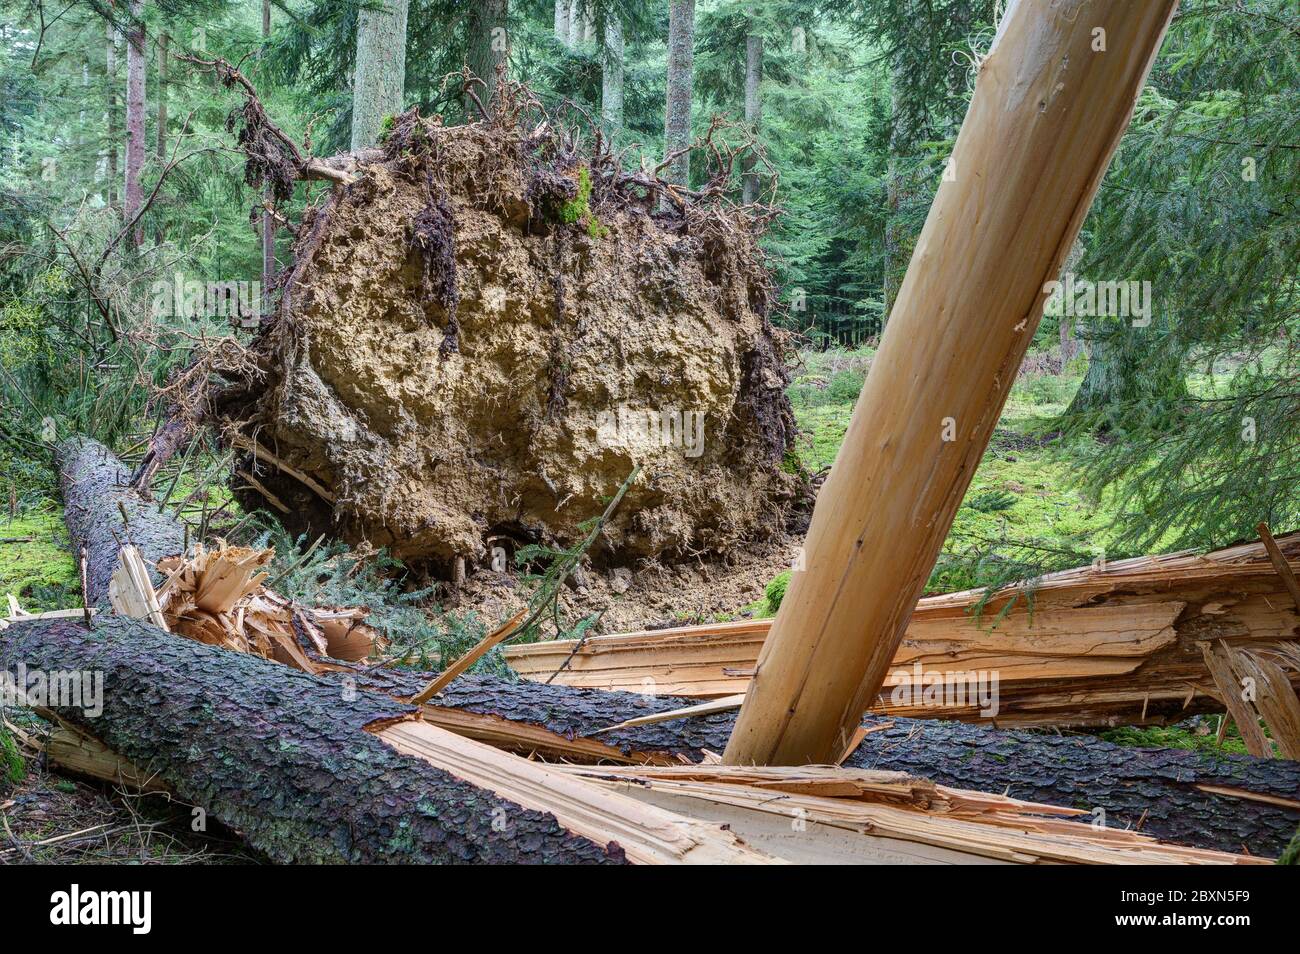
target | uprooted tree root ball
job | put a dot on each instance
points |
(488, 329)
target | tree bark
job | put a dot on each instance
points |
(160, 149)
(488, 45)
(135, 133)
(379, 78)
(611, 77)
(1033, 148)
(95, 493)
(562, 21)
(268, 221)
(280, 756)
(753, 110)
(575, 23)
(681, 77)
(110, 72)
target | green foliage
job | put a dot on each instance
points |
(40, 573)
(1198, 735)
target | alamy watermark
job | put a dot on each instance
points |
(54, 689)
(1081, 298)
(945, 689)
(239, 301)
(645, 427)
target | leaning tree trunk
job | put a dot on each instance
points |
(487, 44)
(681, 77)
(282, 757)
(611, 76)
(102, 513)
(379, 79)
(133, 189)
(1033, 148)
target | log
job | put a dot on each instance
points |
(280, 756)
(1209, 800)
(103, 513)
(1046, 115)
(1114, 644)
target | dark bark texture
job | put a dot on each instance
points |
(281, 756)
(94, 484)
(1154, 788)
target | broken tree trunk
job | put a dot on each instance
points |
(1047, 113)
(278, 755)
(1114, 644)
(103, 513)
(1228, 802)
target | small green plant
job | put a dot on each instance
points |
(774, 592)
(991, 501)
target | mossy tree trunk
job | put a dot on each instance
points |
(611, 79)
(488, 44)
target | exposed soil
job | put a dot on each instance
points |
(483, 344)
(649, 596)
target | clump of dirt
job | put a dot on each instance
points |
(488, 330)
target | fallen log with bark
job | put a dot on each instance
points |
(1134, 642)
(316, 769)
(103, 513)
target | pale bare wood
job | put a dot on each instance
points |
(703, 708)
(131, 592)
(1085, 647)
(1046, 116)
(648, 835)
(484, 645)
(79, 753)
(1280, 563)
(865, 804)
(261, 453)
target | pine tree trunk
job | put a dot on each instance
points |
(133, 190)
(1123, 373)
(753, 109)
(280, 756)
(681, 77)
(611, 79)
(1034, 146)
(161, 148)
(562, 21)
(488, 45)
(575, 23)
(379, 79)
(268, 223)
(110, 73)
(102, 514)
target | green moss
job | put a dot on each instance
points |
(12, 767)
(1181, 736)
(577, 211)
(774, 592)
(40, 573)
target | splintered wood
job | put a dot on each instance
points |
(1143, 641)
(216, 596)
(692, 814)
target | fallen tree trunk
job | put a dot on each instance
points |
(103, 513)
(276, 754)
(1119, 644)
(1212, 800)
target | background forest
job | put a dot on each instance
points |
(119, 182)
